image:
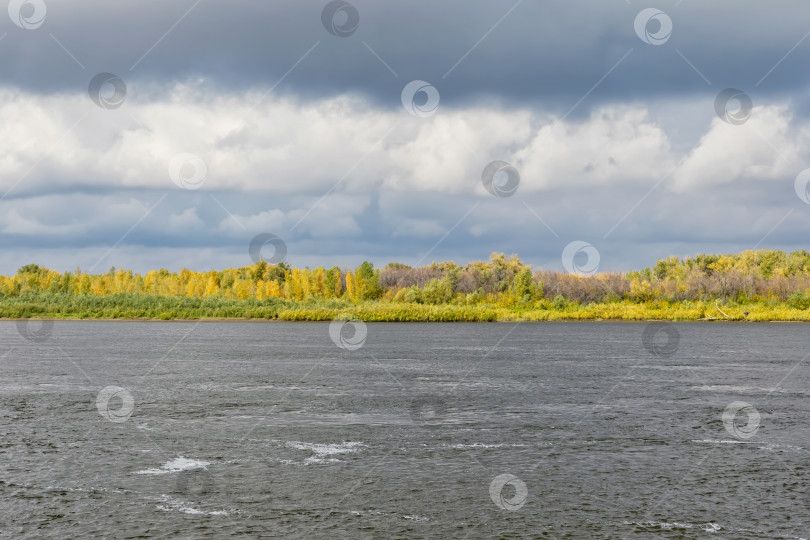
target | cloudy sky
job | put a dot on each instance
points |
(147, 134)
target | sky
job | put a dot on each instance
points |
(583, 136)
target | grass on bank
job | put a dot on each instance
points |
(131, 306)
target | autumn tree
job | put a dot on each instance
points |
(351, 291)
(334, 287)
(367, 282)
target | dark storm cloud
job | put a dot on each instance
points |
(339, 187)
(549, 53)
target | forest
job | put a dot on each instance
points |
(757, 285)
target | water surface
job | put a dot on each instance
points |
(271, 430)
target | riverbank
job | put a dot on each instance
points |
(138, 307)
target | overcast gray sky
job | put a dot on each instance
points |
(217, 121)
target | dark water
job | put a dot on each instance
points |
(271, 430)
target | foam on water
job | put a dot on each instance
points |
(474, 445)
(323, 452)
(416, 518)
(720, 441)
(86, 490)
(736, 389)
(176, 465)
(393, 515)
(171, 504)
(669, 526)
(782, 447)
(462, 446)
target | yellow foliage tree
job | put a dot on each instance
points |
(243, 289)
(273, 290)
(319, 282)
(350, 289)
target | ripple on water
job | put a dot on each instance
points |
(305, 441)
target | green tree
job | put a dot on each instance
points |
(333, 285)
(438, 291)
(524, 285)
(278, 272)
(259, 271)
(367, 282)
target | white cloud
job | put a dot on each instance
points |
(186, 221)
(767, 147)
(270, 220)
(288, 147)
(335, 176)
(614, 145)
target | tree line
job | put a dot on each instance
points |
(502, 281)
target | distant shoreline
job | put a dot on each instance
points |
(304, 321)
(755, 286)
(215, 309)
